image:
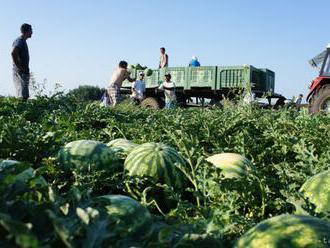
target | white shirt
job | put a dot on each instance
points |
(169, 90)
(139, 87)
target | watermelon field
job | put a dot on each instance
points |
(75, 174)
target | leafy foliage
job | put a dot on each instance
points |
(52, 206)
(86, 93)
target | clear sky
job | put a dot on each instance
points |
(81, 41)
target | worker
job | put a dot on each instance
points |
(138, 89)
(21, 58)
(299, 101)
(163, 60)
(169, 90)
(119, 75)
(194, 62)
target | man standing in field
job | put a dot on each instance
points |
(163, 60)
(169, 90)
(118, 76)
(21, 58)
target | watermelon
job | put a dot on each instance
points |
(87, 156)
(122, 145)
(232, 165)
(148, 72)
(158, 161)
(292, 231)
(127, 216)
(317, 190)
(138, 67)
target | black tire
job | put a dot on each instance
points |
(150, 102)
(320, 100)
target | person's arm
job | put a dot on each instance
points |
(131, 79)
(15, 57)
(169, 88)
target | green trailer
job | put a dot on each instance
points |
(207, 82)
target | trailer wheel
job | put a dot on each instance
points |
(320, 101)
(215, 103)
(150, 102)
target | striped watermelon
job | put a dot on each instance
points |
(292, 231)
(123, 146)
(148, 72)
(127, 216)
(88, 155)
(158, 161)
(317, 190)
(232, 165)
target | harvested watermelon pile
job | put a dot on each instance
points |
(75, 175)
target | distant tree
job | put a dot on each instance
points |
(86, 93)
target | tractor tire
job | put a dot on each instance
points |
(151, 102)
(320, 101)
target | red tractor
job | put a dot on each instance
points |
(319, 95)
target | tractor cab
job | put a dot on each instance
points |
(322, 61)
(325, 70)
(319, 95)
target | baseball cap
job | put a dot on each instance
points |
(141, 73)
(167, 74)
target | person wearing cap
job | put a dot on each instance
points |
(138, 89)
(163, 60)
(194, 62)
(169, 90)
(21, 58)
(119, 75)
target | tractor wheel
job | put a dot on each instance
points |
(150, 102)
(215, 103)
(320, 102)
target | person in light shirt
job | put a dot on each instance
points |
(139, 89)
(169, 90)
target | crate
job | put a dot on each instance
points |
(202, 77)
